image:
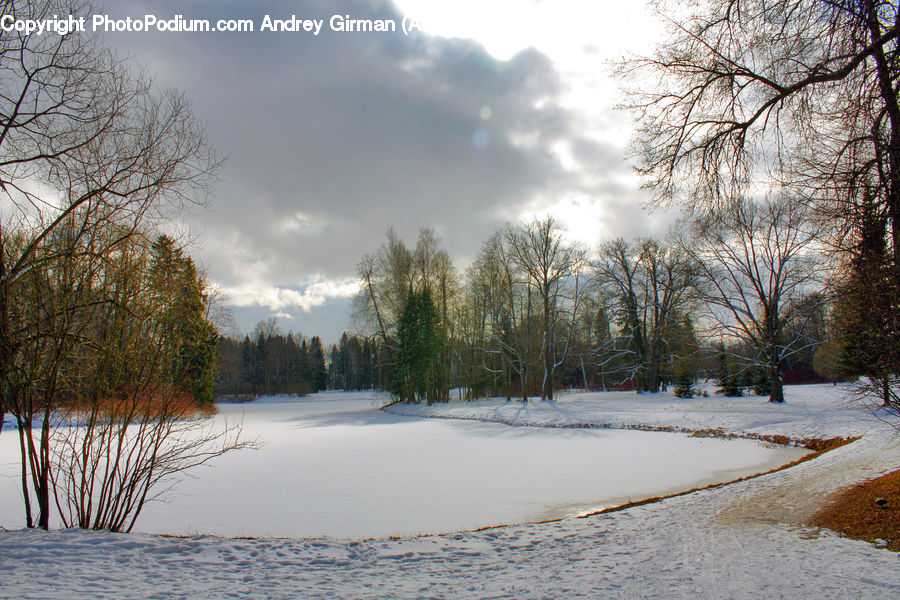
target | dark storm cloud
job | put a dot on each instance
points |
(331, 139)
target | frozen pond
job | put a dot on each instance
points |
(333, 465)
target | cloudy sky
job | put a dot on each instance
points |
(486, 116)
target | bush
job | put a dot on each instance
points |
(731, 384)
(684, 386)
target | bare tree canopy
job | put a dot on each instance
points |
(799, 97)
(650, 284)
(756, 263)
(802, 92)
(554, 268)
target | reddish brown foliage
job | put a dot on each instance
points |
(142, 405)
(855, 512)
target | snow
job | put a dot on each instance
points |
(736, 541)
(816, 411)
(333, 465)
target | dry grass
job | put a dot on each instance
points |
(855, 513)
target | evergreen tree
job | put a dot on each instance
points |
(729, 378)
(683, 351)
(684, 385)
(306, 375)
(318, 374)
(760, 381)
(251, 366)
(187, 333)
(828, 363)
(420, 344)
(869, 310)
(335, 368)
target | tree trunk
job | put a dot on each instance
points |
(523, 378)
(507, 375)
(29, 520)
(43, 485)
(773, 350)
(652, 384)
(888, 92)
(547, 384)
(777, 390)
(5, 341)
(584, 374)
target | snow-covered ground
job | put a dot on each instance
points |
(741, 540)
(335, 465)
(812, 411)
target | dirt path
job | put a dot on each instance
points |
(793, 496)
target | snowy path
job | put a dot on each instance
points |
(738, 541)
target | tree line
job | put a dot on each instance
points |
(788, 260)
(535, 311)
(270, 362)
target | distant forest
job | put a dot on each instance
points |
(271, 362)
(291, 364)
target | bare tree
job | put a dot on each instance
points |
(108, 461)
(756, 263)
(795, 95)
(651, 285)
(501, 306)
(803, 90)
(388, 278)
(126, 429)
(85, 142)
(553, 268)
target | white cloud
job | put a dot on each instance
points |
(302, 223)
(278, 298)
(352, 134)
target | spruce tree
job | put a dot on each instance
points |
(760, 381)
(187, 336)
(420, 344)
(729, 378)
(869, 310)
(318, 374)
(684, 385)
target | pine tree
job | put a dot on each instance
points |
(188, 337)
(318, 374)
(684, 385)
(420, 344)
